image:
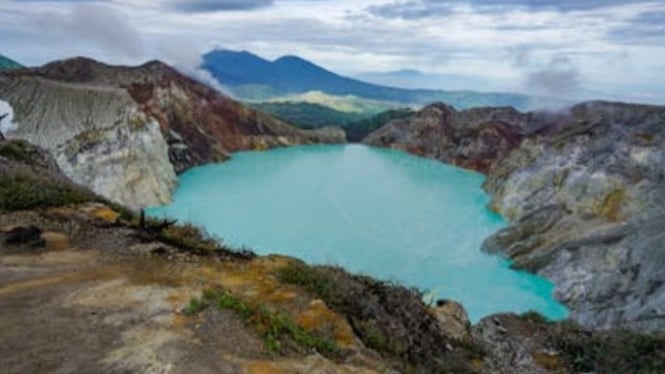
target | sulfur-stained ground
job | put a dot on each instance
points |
(98, 300)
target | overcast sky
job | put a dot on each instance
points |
(604, 48)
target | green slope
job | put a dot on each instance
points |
(7, 64)
(357, 124)
(309, 115)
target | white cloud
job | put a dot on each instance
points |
(7, 124)
(344, 37)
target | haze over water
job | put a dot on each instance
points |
(378, 212)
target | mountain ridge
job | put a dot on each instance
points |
(293, 74)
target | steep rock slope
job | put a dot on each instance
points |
(126, 131)
(584, 190)
(473, 139)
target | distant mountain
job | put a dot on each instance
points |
(415, 79)
(246, 74)
(8, 64)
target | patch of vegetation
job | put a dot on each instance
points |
(29, 179)
(313, 116)
(186, 237)
(277, 329)
(609, 352)
(195, 306)
(190, 237)
(22, 189)
(388, 318)
(309, 115)
(16, 151)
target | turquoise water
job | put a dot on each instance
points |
(373, 211)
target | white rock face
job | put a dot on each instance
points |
(125, 164)
(98, 136)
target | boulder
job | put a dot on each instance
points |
(55, 241)
(453, 320)
(28, 235)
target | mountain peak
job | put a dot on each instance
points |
(227, 54)
(90, 71)
(292, 59)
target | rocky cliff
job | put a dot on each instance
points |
(584, 191)
(126, 132)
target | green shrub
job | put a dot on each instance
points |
(22, 189)
(609, 352)
(16, 151)
(277, 329)
(195, 306)
(189, 238)
(309, 278)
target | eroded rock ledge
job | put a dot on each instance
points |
(125, 132)
(584, 190)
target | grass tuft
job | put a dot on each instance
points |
(277, 329)
(22, 189)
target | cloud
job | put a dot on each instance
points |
(499, 41)
(104, 26)
(417, 9)
(7, 124)
(186, 58)
(413, 9)
(562, 5)
(560, 79)
(220, 5)
(646, 28)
